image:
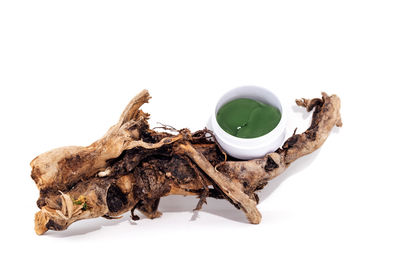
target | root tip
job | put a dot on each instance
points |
(301, 102)
(40, 223)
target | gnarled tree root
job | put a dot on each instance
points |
(132, 167)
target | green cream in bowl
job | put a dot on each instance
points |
(248, 118)
(249, 122)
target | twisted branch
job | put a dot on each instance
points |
(132, 167)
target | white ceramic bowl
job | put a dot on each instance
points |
(250, 148)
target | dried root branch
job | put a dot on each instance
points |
(132, 167)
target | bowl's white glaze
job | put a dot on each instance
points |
(250, 148)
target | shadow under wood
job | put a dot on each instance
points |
(219, 207)
(294, 168)
(87, 226)
(223, 208)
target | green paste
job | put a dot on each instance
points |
(248, 118)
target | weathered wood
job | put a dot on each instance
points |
(132, 167)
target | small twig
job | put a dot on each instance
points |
(166, 127)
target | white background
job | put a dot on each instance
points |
(68, 68)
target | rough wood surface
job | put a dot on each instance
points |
(132, 166)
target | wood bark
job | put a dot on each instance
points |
(132, 166)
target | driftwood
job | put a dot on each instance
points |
(132, 167)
